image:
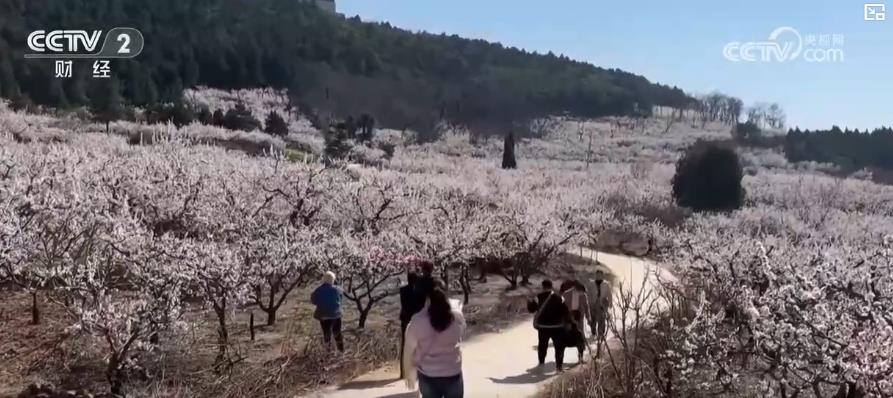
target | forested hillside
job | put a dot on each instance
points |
(849, 149)
(331, 64)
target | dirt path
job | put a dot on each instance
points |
(500, 364)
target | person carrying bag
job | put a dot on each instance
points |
(552, 321)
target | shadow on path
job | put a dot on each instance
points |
(530, 376)
(412, 394)
(367, 384)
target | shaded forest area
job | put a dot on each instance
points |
(849, 149)
(334, 67)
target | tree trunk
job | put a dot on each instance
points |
(113, 376)
(364, 313)
(512, 277)
(466, 284)
(153, 336)
(222, 332)
(35, 309)
(525, 280)
(251, 324)
(107, 129)
(271, 316)
(526, 270)
(271, 306)
(588, 152)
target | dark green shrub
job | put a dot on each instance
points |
(708, 178)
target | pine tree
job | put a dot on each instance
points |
(367, 128)
(218, 119)
(181, 115)
(240, 118)
(337, 145)
(105, 101)
(508, 153)
(21, 102)
(204, 116)
(8, 85)
(275, 125)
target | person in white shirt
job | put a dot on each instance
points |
(433, 339)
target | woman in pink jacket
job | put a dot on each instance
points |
(433, 338)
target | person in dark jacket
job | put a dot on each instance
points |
(327, 299)
(551, 319)
(413, 296)
(424, 283)
(409, 306)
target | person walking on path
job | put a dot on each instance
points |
(552, 321)
(327, 299)
(409, 306)
(413, 296)
(600, 301)
(574, 294)
(433, 356)
(425, 282)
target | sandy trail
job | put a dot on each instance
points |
(501, 364)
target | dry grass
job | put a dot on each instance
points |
(41, 353)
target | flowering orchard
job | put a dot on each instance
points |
(130, 239)
(791, 295)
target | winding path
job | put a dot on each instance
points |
(501, 364)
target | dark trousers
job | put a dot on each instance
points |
(577, 332)
(441, 387)
(556, 335)
(330, 328)
(599, 325)
(403, 325)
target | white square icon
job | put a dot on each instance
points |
(875, 12)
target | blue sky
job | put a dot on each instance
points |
(681, 43)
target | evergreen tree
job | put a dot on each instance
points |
(205, 116)
(8, 85)
(367, 128)
(337, 144)
(275, 125)
(508, 153)
(747, 131)
(21, 103)
(181, 115)
(218, 119)
(105, 101)
(240, 118)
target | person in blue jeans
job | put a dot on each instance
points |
(327, 299)
(433, 340)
